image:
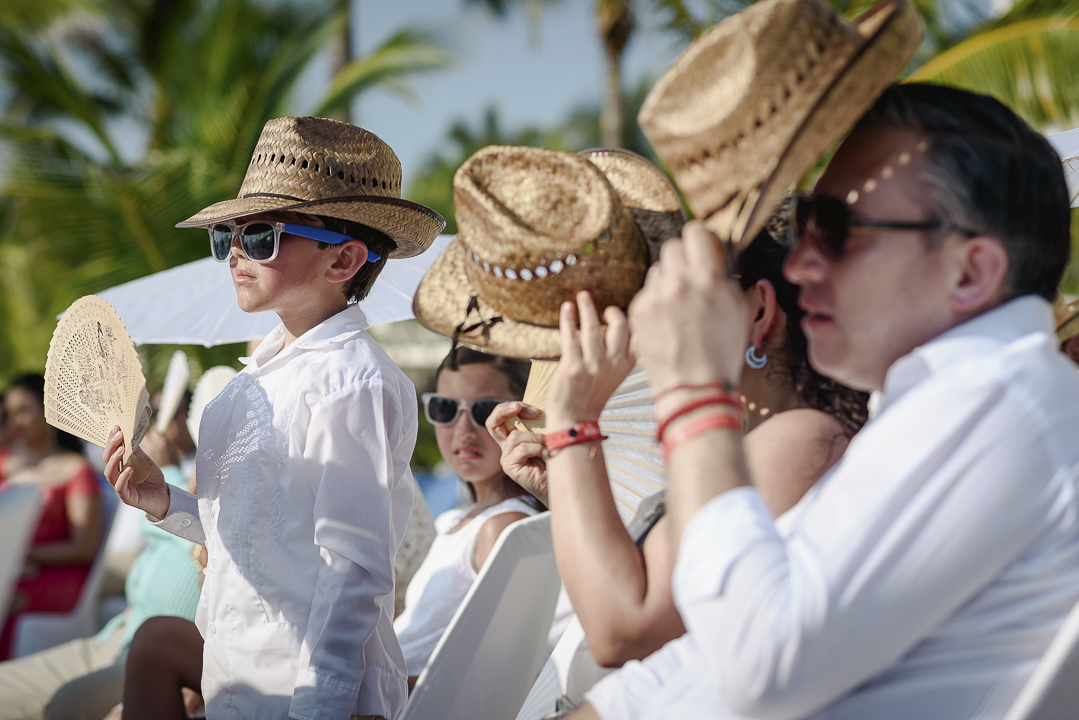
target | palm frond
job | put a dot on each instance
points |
(406, 53)
(1029, 66)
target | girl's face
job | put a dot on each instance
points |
(26, 417)
(467, 447)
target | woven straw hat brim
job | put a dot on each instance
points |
(894, 31)
(443, 298)
(411, 225)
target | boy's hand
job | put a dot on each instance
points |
(522, 451)
(141, 483)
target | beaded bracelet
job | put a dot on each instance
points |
(725, 399)
(580, 433)
(698, 426)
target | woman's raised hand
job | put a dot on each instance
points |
(592, 366)
(522, 450)
(151, 495)
(690, 321)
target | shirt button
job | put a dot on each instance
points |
(185, 522)
(239, 571)
(211, 631)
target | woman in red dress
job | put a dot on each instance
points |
(66, 539)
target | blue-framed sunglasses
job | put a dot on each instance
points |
(260, 240)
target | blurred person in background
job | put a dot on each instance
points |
(83, 679)
(1067, 322)
(469, 384)
(66, 539)
(798, 425)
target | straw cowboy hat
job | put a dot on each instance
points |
(1067, 318)
(752, 104)
(330, 168)
(536, 226)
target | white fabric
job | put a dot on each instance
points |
(1052, 692)
(195, 303)
(923, 577)
(442, 581)
(1067, 146)
(304, 493)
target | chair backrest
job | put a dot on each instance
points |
(1052, 692)
(491, 652)
(20, 506)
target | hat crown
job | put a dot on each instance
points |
(308, 158)
(513, 204)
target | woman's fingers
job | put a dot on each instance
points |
(703, 253)
(592, 347)
(617, 334)
(567, 327)
(499, 419)
(112, 464)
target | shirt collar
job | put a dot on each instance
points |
(334, 329)
(978, 336)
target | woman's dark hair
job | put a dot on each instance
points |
(763, 260)
(35, 385)
(516, 374)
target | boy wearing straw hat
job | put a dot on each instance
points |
(926, 573)
(303, 476)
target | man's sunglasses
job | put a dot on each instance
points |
(260, 240)
(825, 221)
(444, 410)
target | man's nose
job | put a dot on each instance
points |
(804, 264)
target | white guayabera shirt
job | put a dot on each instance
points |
(923, 577)
(304, 494)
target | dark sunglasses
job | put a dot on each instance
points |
(444, 410)
(825, 221)
(260, 240)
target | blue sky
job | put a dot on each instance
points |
(532, 75)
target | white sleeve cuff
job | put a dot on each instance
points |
(182, 519)
(715, 539)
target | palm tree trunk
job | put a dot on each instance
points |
(616, 22)
(340, 55)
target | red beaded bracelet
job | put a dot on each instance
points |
(698, 426)
(578, 434)
(726, 399)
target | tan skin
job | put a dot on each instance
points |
(1071, 349)
(887, 294)
(475, 456)
(37, 459)
(622, 593)
(303, 285)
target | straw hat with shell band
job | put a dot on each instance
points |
(753, 103)
(1067, 318)
(330, 168)
(535, 227)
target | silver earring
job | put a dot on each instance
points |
(753, 361)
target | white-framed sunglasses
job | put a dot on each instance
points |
(445, 410)
(260, 240)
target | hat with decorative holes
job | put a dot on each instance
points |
(753, 103)
(535, 227)
(1066, 315)
(330, 168)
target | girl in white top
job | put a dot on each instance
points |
(469, 386)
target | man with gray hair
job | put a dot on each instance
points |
(927, 572)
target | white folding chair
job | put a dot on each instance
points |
(553, 678)
(491, 652)
(40, 631)
(20, 506)
(1052, 692)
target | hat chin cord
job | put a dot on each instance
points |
(473, 304)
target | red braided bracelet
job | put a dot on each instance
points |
(728, 400)
(578, 434)
(698, 426)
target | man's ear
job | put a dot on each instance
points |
(981, 275)
(763, 309)
(349, 257)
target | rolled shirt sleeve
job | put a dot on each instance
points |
(922, 512)
(354, 438)
(182, 518)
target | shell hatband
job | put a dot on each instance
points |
(543, 268)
